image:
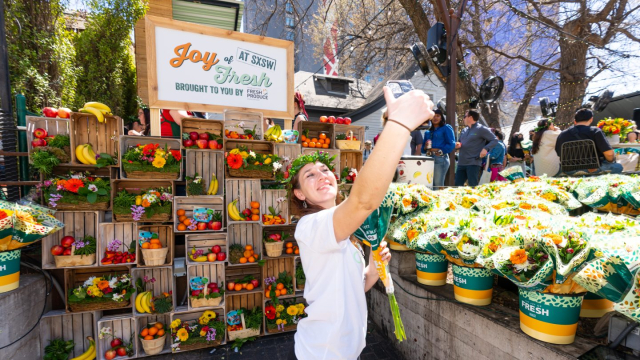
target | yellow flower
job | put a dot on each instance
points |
(267, 161)
(235, 151)
(277, 314)
(518, 257)
(609, 122)
(203, 333)
(183, 334)
(280, 308)
(292, 310)
(279, 321)
(159, 162)
(175, 323)
(97, 280)
(244, 154)
(160, 152)
(284, 322)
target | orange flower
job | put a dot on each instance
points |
(557, 239)
(61, 182)
(146, 203)
(412, 234)
(518, 257)
(103, 284)
(73, 185)
(234, 161)
(525, 206)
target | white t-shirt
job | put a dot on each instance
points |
(546, 160)
(336, 325)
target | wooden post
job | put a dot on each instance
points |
(154, 120)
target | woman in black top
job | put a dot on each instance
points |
(301, 112)
(515, 151)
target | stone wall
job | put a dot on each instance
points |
(438, 327)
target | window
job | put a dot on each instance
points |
(289, 21)
(289, 7)
(289, 35)
(338, 87)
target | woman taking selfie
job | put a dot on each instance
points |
(337, 278)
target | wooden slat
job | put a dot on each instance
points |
(247, 301)
(53, 126)
(189, 203)
(127, 233)
(122, 327)
(192, 317)
(77, 224)
(198, 125)
(237, 273)
(165, 235)
(350, 159)
(358, 132)
(76, 327)
(245, 191)
(313, 130)
(213, 272)
(287, 151)
(233, 118)
(103, 136)
(165, 282)
(244, 234)
(205, 163)
(205, 242)
(75, 277)
(270, 199)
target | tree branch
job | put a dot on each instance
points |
(517, 57)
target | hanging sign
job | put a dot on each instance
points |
(201, 68)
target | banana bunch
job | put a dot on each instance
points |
(143, 302)
(99, 110)
(90, 354)
(274, 134)
(213, 185)
(232, 210)
(85, 154)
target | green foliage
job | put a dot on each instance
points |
(60, 141)
(58, 349)
(253, 318)
(89, 247)
(44, 161)
(300, 277)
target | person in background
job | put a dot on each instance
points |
(301, 112)
(582, 130)
(442, 142)
(367, 150)
(532, 133)
(497, 157)
(136, 129)
(515, 152)
(475, 142)
(268, 123)
(415, 144)
(543, 148)
(170, 121)
(144, 116)
(634, 135)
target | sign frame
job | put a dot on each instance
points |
(151, 22)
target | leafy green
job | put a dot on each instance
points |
(60, 141)
(44, 161)
(195, 188)
(58, 349)
(89, 247)
(237, 343)
(105, 159)
(300, 276)
(253, 318)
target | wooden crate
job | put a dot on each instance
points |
(122, 327)
(165, 282)
(358, 132)
(205, 242)
(138, 187)
(185, 315)
(232, 119)
(244, 234)
(237, 273)
(258, 147)
(298, 288)
(53, 126)
(110, 172)
(273, 267)
(314, 130)
(142, 322)
(287, 153)
(58, 324)
(213, 272)
(205, 163)
(201, 126)
(331, 152)
(270, 199)
(350, 159)
(130, 141)
(127, 233)
(289, 230)
(189, 203)
(247, 301)
(165, 235)
(76, 277)
(267, 302)
(76, 224)
(245, 191)
(103, 137)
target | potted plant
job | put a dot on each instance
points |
(152, 338)
(283, 317)
(243, 323)
(245, 163)
(151, 162)
(101, 293)
(75, 252)
(615, 129)
(206, 331)
(77, 192)
(150, 205)
(58, 349)
(274, 243)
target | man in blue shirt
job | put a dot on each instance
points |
(443, 142)
(475, 142)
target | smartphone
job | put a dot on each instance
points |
(399, 87)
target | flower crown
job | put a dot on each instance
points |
(549, 123)
(302, 160)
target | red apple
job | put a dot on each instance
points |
(221, 256)
(40, 133)
(195, 292)
(50, 112)
(212, 285)
(204, 136)
(194, 135)
(211, 257)
(67, 241)
(37, 142)
(202, 226)
(214, 290)
(202, 144)
(67, 252)
(231, 285)
(57, 250)
(255, 283)
(116, 342)
(121, 351)
(332, 119)
(217, 225)
(347, 121)
(323, 119)
(64, 113)
(187, 143)
(213, 144)
(339, 120)
(220, 145)
(110, 354)
(216, 249)
(246, 212)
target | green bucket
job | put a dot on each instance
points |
(549, 317)
(431, 269)
(9, 270)
(472, 286)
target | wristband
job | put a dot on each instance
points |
(399, 123)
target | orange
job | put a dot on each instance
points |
(255, 205)
(267, 293)
(289, 245)
(244, 286)
(181, 212)
(297, 252)
(305, 144)
(303, 138)
(187, 222)
(156, 246)
(155, 241)
(238, 287)
(243, 260)
(319, 146)
(160, 332)
(280, 286)
(247, 253)
(269, 288)
(159, 326)
(322, 136)
(312, 144)
(327, 141)
(325, 146)
(182, 218)
(153, 330)
(320, 141)
(255, 211)
(248, 247)
(289, 251)
(182, 227)
(252, 259)
(144, 332)
(255, 217)
(148, 337)
(147, 245)
(314, 140)
(249, 287)
(277, 293)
